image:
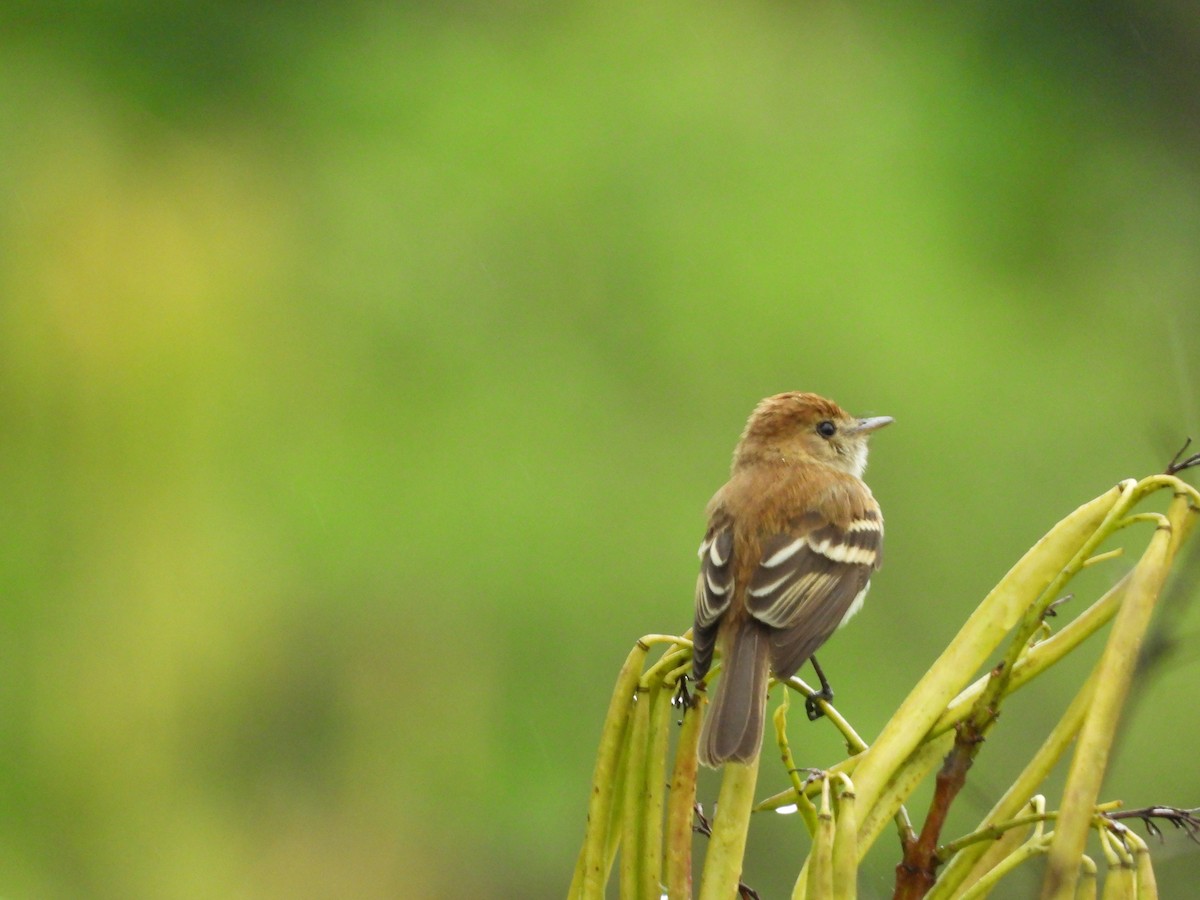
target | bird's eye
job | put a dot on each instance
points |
(826, 429)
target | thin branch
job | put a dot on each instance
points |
(1177, 465)
(1184, 819)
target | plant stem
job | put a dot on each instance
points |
(726, 847)
(654, 789)
(591, 872)
(632, 843)
(1071, 540)
(1095, 738)
(680, 804)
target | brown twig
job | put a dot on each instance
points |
(1177, 465)
(1185, 819)
(917, 871)
(918, 868)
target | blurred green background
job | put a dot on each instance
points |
(366, 369)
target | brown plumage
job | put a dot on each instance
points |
(792, 540)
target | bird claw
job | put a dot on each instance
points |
(812, 704)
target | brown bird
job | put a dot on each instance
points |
(792, 540)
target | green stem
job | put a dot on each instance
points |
(1147, 885)
(854, 743)
(899, 787)
(845, 842)
(1095, 738)
(654, 789)
(804, 806)
(789, 797)
(1086, 889)
(1119, 879)
(1032, 848)
(680, 805)
(994, 832)
(1071, 540)
(967, 854)
(592, 870)
(632, 838)
(680, 655)
(727, 845)
(820, 870)
(1041, 657)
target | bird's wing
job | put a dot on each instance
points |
(714, 591)
(809, 579)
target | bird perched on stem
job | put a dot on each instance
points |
(792, 540)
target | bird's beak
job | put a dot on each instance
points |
(866, 426)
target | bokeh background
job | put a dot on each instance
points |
(365, 369)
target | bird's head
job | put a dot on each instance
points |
(806, 428)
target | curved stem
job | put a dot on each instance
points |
(1095, 738)
(594, 859)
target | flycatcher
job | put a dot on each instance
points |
(793, 538)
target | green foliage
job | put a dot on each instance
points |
(945, 715)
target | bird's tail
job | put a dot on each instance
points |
(733, 727)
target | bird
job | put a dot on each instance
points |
(793, 538)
